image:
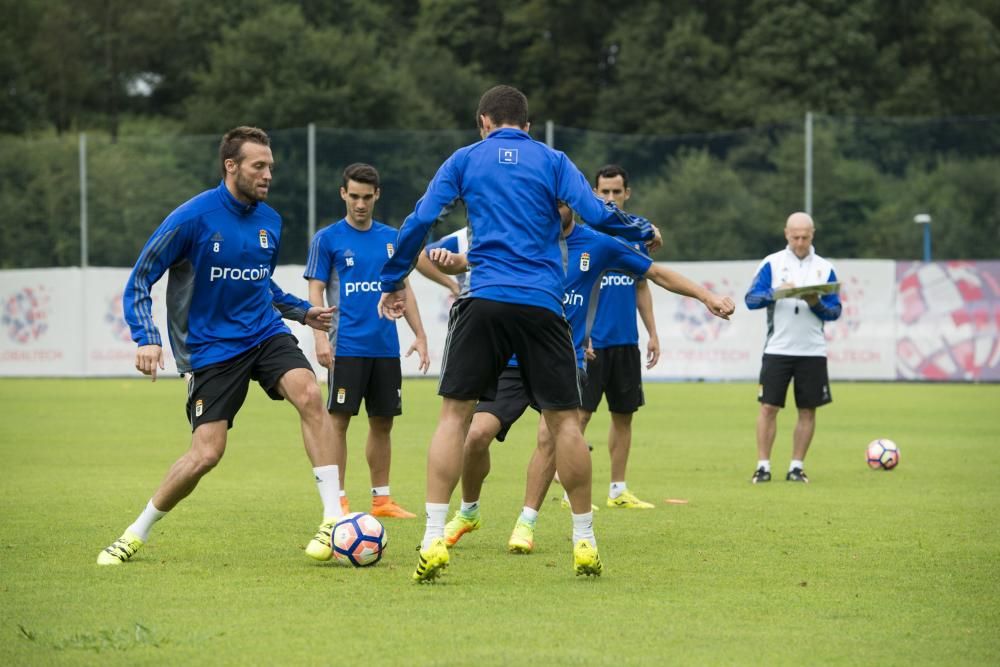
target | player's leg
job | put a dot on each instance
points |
(541, 470)
(285, 373)
(476, 462)
(215, 396)
(545, 351)
(803, 434)
(378, 450)
(492, 420)
(812, 390)
(475, 467)
(347, 384)
(208, 444)
(339, 423)
(476, 351)
(494, 416)
(775, 375)
(384, 402)
(444, 468)
(623, 389)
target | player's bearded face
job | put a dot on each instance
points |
(253, 172)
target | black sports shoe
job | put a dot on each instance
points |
(760, 475)
(796, 475)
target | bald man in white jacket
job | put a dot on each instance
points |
(795, 347)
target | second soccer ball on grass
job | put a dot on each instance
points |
(883, 454)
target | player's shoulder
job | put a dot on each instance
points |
(333, 229)
(267, 212)
(774, 257)
(823, 260)
(194, 209)
(383, 229)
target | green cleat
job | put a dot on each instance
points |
(628, 501)
(321, 546)
(120, 550)
(522, 540)
(433, 560)
(586, 560)
(459, 525)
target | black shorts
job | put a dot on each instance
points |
(378, 380)
(511, 399)
(484, 334)
(217, 392)
(616, 372)
(812, 385)
(509, 402)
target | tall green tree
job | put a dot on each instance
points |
(799, 56)
(667, 75)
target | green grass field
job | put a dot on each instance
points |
(858, 567)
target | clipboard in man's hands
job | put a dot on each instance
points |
(798, 292)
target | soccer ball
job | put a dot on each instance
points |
(883, 454)
(360, 539)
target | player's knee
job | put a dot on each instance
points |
(479, 438)
(308, 399)
(206, 458)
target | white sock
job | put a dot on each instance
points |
(565, 496)
(529, 515)
(144, 523)
(765, 464)
(795, 464)
(583, 528)
(328, 483)
(380, 490)
(616, 489)
(470, 509)
(437, 514)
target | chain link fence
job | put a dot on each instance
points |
(716, 196)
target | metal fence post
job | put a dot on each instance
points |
(311, 169)
(550, 134)
(83, 201)
(809, 164)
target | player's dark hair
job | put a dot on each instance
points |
(359, 172)
(231, 146)
(504, 105)
(610, 171)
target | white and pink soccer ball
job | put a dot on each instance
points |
(359, 539)
(882, 454)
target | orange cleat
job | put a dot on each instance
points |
(345, 506)
(383, 506)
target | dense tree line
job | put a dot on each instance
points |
(702, 100)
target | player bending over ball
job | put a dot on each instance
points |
(221, 249)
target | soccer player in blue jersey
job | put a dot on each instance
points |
(361, 350)
(509, 183)
(591, 255)
(616, 369)
(224, 320)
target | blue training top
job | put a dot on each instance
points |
(221, 300)
(615, 321)
(510, 184)
(592, 257)
(349, 262)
